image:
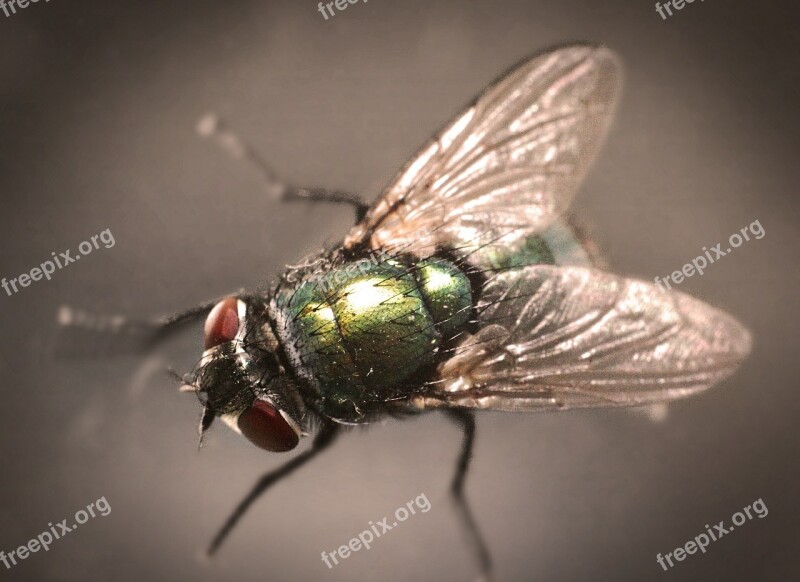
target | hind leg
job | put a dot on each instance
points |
(466, 421)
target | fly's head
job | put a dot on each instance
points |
(240, 378)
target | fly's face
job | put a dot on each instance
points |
(240, 379)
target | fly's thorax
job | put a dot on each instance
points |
(360, 333)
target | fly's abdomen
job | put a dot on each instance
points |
(359, 333)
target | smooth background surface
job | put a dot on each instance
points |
(98, 102)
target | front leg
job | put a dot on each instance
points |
(86, 334)
(322, 441)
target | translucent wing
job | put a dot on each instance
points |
(508, 166)
(567, 337)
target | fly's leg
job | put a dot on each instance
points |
(321, 442)
(466, 421)
(212, 127)
(83, 334)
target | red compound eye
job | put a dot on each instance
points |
(222, 323)
(264, 426)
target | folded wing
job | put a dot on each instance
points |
(568, 337)
(508, 166)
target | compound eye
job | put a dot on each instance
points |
(222, 323)
(265, 427)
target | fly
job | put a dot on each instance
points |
(466, 286)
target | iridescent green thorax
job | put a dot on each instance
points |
(360, 333)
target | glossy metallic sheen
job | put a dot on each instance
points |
(358, 334)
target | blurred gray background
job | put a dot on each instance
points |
(98, 103)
